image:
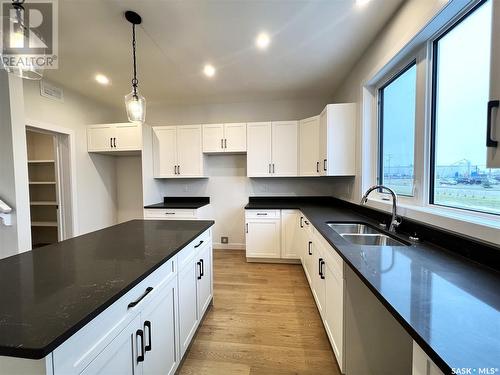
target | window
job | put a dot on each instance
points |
(397, 100)
(461, 78)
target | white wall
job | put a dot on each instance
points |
(129, 188)
(95, 174)
(227, 185)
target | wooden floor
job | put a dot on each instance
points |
(263, 321)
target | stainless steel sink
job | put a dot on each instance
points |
(372, 239)
(355, 228)
(362, 234)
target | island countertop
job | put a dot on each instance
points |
(49, 293)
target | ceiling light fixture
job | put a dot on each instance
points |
(18, 42)
(362, 3)
(102, 79)
(134, 102)
(209, 70)
(262, 41)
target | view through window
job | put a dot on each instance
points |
(397, 131)
(462, 65)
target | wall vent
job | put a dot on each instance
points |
(50, 91)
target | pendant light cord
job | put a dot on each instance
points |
(134, 80)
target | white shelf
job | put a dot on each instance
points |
(44, 223)
(41, 161)
(42, 182)
(43, 203)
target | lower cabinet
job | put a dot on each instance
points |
(290, 234)
(422, 364)
(334, 311)
(263, 234)
(148, 330)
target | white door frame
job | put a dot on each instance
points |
(70, 191)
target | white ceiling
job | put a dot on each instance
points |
(314, 45)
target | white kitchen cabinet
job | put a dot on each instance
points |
(316, 273)
(422, 364)
(188, 309)
(309, 252)
(230, 137)
(284, 149)
(159, 322)
(493, 128)
(309, 147)
(177, 151)
(272, 149)
(334, 310)
(337, 140)
(204, 278)
(263, 233)
(290, 234)
(114, 138)
(122, 356)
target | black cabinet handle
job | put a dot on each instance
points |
(221, 143)
(324, 164)
(114, 142)
(302, 221)
(273, 167)
(202, 273)
(111, 142)
(140, 358)
(321, 263)
(261, 213)
(199, 265)
(198, 244)
(309, 248)
(136, 302)
(178, 169)
(305, 221)
(490, 142)
(319, 266)
(247, 226)
(225, 143)
(147, 324)
(269, 167)
(317, 166)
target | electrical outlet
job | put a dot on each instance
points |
(224, 239)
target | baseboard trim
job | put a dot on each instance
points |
(273, 260)
(228, 246)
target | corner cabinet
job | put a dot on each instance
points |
(114, 138)
(337, 140)
(272, 149)
(309, 164)
(177, 152)
(224, 138)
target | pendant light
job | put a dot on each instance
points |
(134, 102)
(24, 67)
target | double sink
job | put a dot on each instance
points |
(363, 234)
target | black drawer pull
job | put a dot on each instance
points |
(321, 263)
(317, 167)
(202, 273)
(136, 302)
(140, 358)
(169, 213)
(147, 324)
(199, 274)
(302, 221)
(198, 244)
(261, 214)
(309, 247)
(324, 164)
(490, 142)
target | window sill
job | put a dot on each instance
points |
(477, 225)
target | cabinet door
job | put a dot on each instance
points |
(189, 151)
(334, 311)
(290, 233)
(284, 148)
(188, 315)
(263, 238)
(309, 147)
(204, 277)
(165, 151)
(493, 138)
(159, 321)
(120, 357)
(128, 137)
(213, 138)
(318, 281)
(323, 143)
(235, 136)
(259, 149)
(309, 254)
(99, 138)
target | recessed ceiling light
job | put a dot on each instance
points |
(263, 40)
(209, 70)
(102, 79)
(362, 3)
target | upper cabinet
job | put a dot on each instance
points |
(272, 149)
(225, 138)
(309, 147)
(177, 151)
(337, 142)
(114, 138)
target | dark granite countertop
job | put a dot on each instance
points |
(181, 202)
(49, 293)
(450, 305)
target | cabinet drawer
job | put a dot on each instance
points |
(333, 259)
(262, 214)
(170, 213)
(81, 348)
(185, 256)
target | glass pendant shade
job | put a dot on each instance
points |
(136, 108)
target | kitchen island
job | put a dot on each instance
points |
(104, 301)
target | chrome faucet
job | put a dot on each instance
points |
(395, 219)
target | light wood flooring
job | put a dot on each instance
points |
(263, 321)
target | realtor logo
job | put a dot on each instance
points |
(29, 33)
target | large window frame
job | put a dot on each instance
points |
(421, 204)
